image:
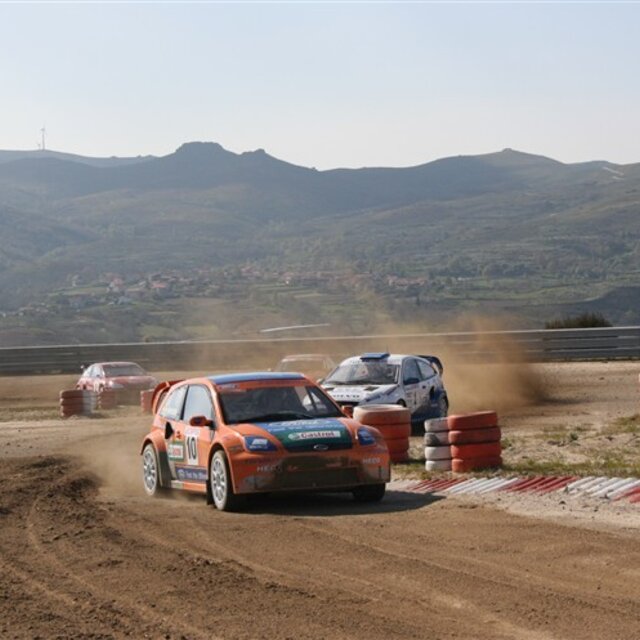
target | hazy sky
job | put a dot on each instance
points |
(324, 84)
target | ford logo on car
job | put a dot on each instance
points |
(320, 447)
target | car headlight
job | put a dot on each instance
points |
(365, 437)
(257, 444)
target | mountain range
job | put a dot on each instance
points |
(512, 231)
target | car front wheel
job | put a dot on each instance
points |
(150, 473)
(221, 486)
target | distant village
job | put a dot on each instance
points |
(118, 289)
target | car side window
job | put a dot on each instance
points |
(198, 403)
(426, 370)
(172, 406)
(411, 372)
(98, 372)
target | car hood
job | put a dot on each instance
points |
(134, 381)
(320, 434)
(358, 393)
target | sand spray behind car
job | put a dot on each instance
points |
(503, 383)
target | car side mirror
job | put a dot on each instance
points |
(411, 381)
(200, 421)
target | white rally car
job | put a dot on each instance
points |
(382, 378)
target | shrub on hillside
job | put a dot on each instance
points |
(582, 321)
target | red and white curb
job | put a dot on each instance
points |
(596, 486)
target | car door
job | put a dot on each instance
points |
(171, 414)
(411, 384)
(198, 434)
(428, 384)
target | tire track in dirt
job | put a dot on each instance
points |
(133, 614)
(484, 577)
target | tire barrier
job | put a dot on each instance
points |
(596, 487)
(438, 465)
(393, 422)
(145, 400)
(107, 399)
(77, 402)
(468, 442)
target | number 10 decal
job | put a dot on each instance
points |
(192, 449)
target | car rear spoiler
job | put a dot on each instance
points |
(159, 392)
(435, 361)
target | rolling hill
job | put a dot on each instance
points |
(505, 232)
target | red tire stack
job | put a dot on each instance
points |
(463, 442)
(145, 400)
(393, 422)
(77, 402)
(107, 399)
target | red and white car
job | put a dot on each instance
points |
(128, 379)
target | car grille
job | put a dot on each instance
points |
(319, 479)
(306, 447)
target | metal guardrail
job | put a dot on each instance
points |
(533, 346)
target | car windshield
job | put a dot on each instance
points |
(115, 370)
(364, 373)
(272, 404)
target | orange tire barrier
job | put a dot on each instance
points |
(465, 442)
(470, 451)
(473, 464)
(378, 414)
(472, 436)
(393, 431)
(77, 402)
(72, 393)
(478, 420)
(398, 445)
(145, 400)
(393, 422)
(107, 399)
(399, 457)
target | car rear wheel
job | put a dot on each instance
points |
(443, 406)
(221, 486)
(369, 492)
(150, 471)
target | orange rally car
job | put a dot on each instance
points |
(231, 435)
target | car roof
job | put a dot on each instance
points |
(116, 363)
(392, 358)
(255, 376)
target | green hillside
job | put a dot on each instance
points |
(208, 243)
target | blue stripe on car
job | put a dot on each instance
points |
(256, 376)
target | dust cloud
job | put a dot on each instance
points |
(484, 366)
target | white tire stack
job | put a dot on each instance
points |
(437, 450)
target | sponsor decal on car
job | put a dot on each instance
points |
(314, 435)
(191, 474)
(175, 451)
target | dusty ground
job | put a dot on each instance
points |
(83, 554)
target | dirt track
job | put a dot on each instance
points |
(85, 555)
